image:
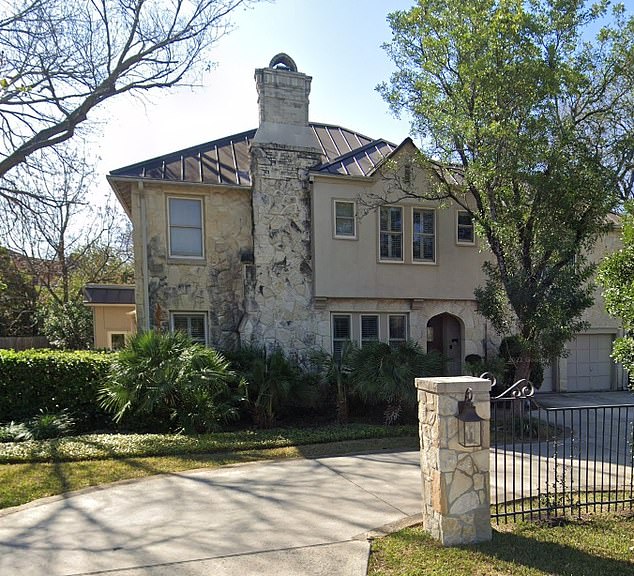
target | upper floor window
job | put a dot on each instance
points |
(464, 228)
(345, 219)
(391, 233)
(424, 236)
(191, 324)
(185, 227)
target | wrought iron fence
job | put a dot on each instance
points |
(548, 462)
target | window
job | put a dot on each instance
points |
(369, 328)
(117, 340)
(464, 231)
(345, 223)
(363, 328)
(391, 233)
(424, 236)
(397, 329)
(191, 324)
(185, 227)
(341, 334)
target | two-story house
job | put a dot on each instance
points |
(274, 236)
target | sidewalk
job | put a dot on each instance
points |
(281, 518)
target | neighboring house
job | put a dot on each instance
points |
(113, 311)
(267, 236)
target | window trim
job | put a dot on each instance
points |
(112, 333)
(378, 327)
(464, 242)
(188, 315)
(435, 235)
(200, 200)
(332, 330)
(354, 235)
(387, 260)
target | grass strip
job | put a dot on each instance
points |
(599, 545)
(100, 446)
(25, 482)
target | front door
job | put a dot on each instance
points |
(444, 335)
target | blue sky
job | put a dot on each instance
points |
(337, 42)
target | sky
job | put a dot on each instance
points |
(337, 42)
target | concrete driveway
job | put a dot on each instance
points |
(284, 518)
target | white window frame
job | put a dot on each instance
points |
(392, 340)
(189, 316)
(354, 320)
(378, 328)
(117, 333)
(390, 259)
(332, 333)
(352, 236)
(202, 228)
(458, 225)
(433, 236)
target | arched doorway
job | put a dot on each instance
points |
(444, 335)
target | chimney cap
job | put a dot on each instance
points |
(284, 62)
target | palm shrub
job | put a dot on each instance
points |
(384, 374)
(271, 382)
(336, 371)
(166, 375)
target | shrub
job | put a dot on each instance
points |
(14, 432)
(272, 383)
(336, 372)
(50, 381)
(166, 376)
(385, 374)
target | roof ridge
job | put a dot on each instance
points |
(354, 152)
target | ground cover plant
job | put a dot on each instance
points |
(598, 545)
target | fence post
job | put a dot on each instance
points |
(455, 478)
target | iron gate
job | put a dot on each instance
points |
(548, 462)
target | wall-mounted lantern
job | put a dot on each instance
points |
(469, 423)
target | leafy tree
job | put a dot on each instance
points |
(67, 325)
(17, 299)
(528, 128)
(165, 373)
(61, 60)
(616, 275)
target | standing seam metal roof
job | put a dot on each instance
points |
(227, 161)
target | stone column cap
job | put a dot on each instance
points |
(452, 384)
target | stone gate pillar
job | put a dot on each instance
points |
(455, 478)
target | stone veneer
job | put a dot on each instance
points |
(455, 479)
(279, 295)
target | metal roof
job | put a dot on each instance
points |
(227, 161)
(108, 294)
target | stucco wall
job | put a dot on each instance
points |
(214, 284)
(112, 318)
(351, 267)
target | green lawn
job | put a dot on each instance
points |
(44, 468)
(601, 545)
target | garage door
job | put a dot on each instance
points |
(590, 367)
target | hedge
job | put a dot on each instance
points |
(49, 380)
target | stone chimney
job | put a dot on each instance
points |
(279, 287)
(283, 105)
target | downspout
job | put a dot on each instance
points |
(144, 262)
